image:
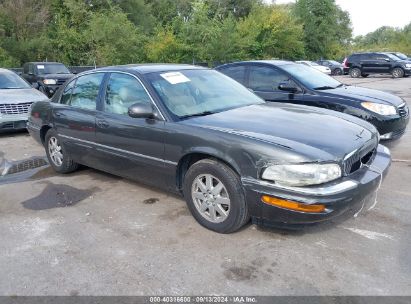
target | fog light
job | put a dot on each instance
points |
(386, 135)
(292, 205)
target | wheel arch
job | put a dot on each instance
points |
(196, 155)
(43, 131)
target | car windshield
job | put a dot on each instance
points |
(313, 63)
(401, 56)
(393, 57)
(311, 78)
(190, 93)
(10, 80)
(52, 69)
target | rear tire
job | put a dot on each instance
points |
(215, 196)
(58, 158)
(355, 72)
(397, 73)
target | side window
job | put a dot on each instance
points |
(381, 57)
(26, 69)
(123, 91)
(66, 95)
(266, 79)
(236, 72)
(367, 57)
(86, 90)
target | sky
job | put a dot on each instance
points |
(368, 15)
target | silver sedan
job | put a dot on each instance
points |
(16, 97)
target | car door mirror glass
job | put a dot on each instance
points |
(141, 110)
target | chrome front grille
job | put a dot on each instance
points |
(403, 110)
(15, 109)
(356, 159)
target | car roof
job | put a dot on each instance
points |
(270, 62)
(152, 68)
(44, 63)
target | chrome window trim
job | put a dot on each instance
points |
(118, 150)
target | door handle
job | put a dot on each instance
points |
(102, 124)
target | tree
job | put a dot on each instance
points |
(271, 32)
(327, 27)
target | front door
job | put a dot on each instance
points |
(264, 81)
(131, 147)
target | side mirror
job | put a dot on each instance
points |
(35, 85)
(141, 110)
(288, 87)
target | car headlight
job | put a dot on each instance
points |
(302, 175)
(49, 81)
(379, 108)
(408, 65)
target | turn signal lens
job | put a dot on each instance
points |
(292, 205)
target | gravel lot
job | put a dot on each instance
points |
(90, 233)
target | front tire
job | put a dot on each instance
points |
(215, 196)
(337, 72)
(355, 72)
(58, 158)
(397, 73)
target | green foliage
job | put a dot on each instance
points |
(271, 32)
(385, 39)
(6, 60)
(327, 28)
(108, 32)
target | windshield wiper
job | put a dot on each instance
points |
(205, 113)
(325, 88)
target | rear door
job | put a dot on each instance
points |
(369, 63)
(236, 72)
(74, 117)
(131, 147)
(265, 80)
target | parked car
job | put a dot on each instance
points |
(285, 81)
(195, 131)
(400, 55)
(16, 97)
(46, 76)
(323, 69)
(364, 64)
(335, 67)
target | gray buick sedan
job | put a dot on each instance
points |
(197, 132)
(16, 97)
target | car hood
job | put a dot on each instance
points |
(317, 133)
(364, 94)
(21, 96)
(56, 76)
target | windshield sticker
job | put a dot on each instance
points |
(41, 67)
(175, 77)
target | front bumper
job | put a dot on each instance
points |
(391, 127)
(338, 197)
(13, 122)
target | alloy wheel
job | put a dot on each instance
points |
(210, 198)
(55, 152)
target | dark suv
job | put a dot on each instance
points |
(363, 64)
(47, 77)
